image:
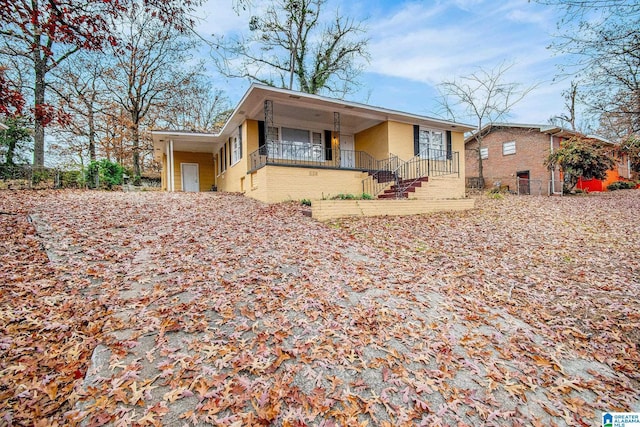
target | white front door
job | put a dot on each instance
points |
(190, 174)
(347, 153)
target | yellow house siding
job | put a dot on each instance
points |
(235, 178)
(274, 184)
(374, 141)
(401, 140)
(205, 166)
(230, 180)
(256, 186)
(250, 139)
(385, 138)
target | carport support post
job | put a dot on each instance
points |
(170, 170)
(336, 137)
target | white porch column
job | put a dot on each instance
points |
(171, 167)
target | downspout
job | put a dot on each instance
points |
(553, 170)
(553, 191)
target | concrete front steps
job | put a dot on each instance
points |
(390, 193)
(430, 188)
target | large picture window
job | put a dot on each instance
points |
(295, 144)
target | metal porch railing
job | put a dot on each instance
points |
(290, 153)
(429, 163)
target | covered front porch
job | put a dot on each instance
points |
(187, 160)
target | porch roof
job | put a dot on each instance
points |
(310, 111)
(194, 142)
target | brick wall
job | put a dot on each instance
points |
(532, 148)
(324, 210)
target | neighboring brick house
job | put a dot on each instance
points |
(514, 155)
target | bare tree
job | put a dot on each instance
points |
(44, 33)
(81, 93)
(199, 108)
(294, 46)
(570, 101)
(150, 66)
(602, 37)
(483, 97)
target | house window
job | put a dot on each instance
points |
(273, 134)
(236, 150)
(222, 163)
(484, 153)
(431, 143)
(295, 144)
(508, 148)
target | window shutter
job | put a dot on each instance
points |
(416, 140)
(328, 149)
(261, 134)
(449, 155)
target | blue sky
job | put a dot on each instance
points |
(415, 45)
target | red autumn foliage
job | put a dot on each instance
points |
(11, 101)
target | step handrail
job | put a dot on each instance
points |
(378, 180)
(428, 163)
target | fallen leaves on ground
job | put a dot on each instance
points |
(214, 309)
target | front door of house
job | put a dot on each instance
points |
(347, 153)
(190, 174)
(523, 182)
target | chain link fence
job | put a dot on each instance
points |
(514, 185)
(28, 177)
(531, 187)
(21, 177)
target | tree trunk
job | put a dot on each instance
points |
(135, 133)
(11, 148)
(39, 90)
(92, 130)
(480, 169)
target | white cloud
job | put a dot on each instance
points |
(429, 43)
(218, 17)
(414, 43)
(432, 43)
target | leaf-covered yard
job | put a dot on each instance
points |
(213, 309)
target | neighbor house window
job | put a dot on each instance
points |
(295, 144)
(509, 148)
(484, 153)
(432, 144)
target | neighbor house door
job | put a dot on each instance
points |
(347, 153)
(190, 174)
(523, 182)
